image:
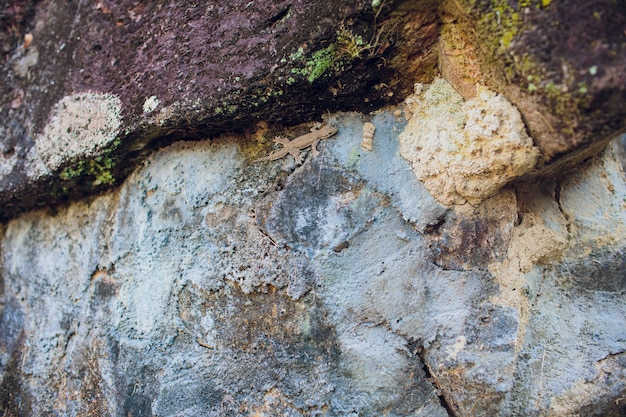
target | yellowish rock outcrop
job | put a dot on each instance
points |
(465, 151)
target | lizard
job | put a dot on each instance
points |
(294, 147)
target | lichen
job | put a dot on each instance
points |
(150, 104)
(81, 127)
(499, 25)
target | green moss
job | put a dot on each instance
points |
(351, 44)
(296, 56)
(99, 168)
(319, 62)
(551, 88)
(338, 55)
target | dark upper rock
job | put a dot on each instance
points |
(88, 89)
(561, 63)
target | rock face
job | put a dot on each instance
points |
(145, 75)
(207, 285)
(460, 254)
(561, 64)
(162, 72)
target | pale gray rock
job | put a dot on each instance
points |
(206, 285)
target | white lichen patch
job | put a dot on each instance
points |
(34, 166)
(80, 126)
(150, 104)
(465, 151)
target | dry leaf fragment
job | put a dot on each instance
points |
(28, 38)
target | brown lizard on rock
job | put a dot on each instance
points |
(301, 142)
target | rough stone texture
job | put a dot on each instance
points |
(561, 63)
(465, 151)
(619, 147)
(167, 297)
(178, 70)
(204, 284)
(207, 285)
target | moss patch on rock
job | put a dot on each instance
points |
(560, 64)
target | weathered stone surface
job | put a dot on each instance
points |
(158, 72)
(177, 71)
(561, 63)
(237, 325)
(206, 285)
(619, 147)
(465, 151)
(359, 283)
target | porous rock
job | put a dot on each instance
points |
(358, 283)
(561, 64)
(465, 151)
